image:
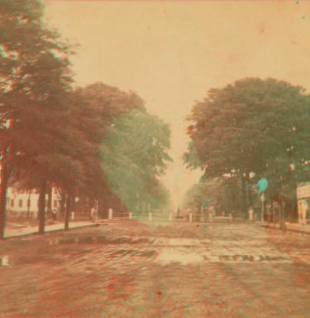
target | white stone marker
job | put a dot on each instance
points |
(5, 261)
(110, 214)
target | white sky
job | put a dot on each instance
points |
(172, 53)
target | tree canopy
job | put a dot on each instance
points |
(252, 126)
(34, 78)
(77, 139)
(134, 155)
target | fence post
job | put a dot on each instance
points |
(150, 216)
(191, 217)
(5, 260)
(110, 214)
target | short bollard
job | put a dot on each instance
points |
(130, 215)
(110, 214)
(5, 261)
(191, 217)
(150, 216)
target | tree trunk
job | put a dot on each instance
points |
(67, 216)
(250, 194)
(28, 206)
(243, 190)
(49, 198)
(5, 176)
(282, 222)
(62, 204)
(294, 203)
(42, 206)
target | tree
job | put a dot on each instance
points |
(34, 76)
(134, 156)
(251, 126)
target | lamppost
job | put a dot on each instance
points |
(261, 186)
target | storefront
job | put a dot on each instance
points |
(303, 202)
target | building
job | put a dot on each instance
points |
(303, 202)
(21, 203)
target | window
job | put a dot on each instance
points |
(20, 203)
(29, 203)
(55, 203)
(12, 203)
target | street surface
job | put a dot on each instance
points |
(179, 270)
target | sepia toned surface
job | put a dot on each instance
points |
(132, 170)
(172, 52)
(127, 269)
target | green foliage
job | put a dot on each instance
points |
(134, 155)
(50, 133)
(252, 125)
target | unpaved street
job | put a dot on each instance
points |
(132, 270)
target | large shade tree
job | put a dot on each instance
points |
(34, 77)
(252, 126)
(134, 156)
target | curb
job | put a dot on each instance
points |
(287, 230)
(19, 236)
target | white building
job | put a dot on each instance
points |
(303, 202)
(25, 203)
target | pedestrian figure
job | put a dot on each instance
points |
(251, 213)
(93, 215)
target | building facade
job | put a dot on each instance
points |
(25, 203)
(303, 202)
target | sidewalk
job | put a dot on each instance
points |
(28, 230)
(292, 227)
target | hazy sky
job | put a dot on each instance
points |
(172, 53)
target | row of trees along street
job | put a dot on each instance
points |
(247, 130)
(86, 140)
